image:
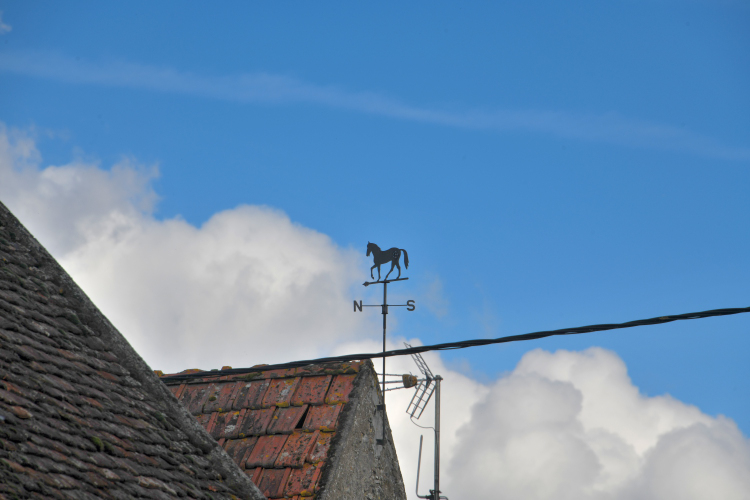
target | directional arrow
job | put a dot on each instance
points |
(368, 283)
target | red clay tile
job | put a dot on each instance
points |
(285, 420)
(297, 449)
(227, 425)
(211, 422)
(194, 397)
(255, 422)
(303, 481)
(266, 451)
(239, 449)
(320, 449)
(279, 404)
(177, 390)
(322, 418)
(219, 398)
(340, 388)
(280, 392)
(254, 474)
(273, 481)
(203, 419)
(311, 390)
(250, 394)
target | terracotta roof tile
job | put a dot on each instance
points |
(281, 424)
(280, 392)
(226, 425)
(340, 388)
(203, 420)
(254, 474)
(297, 449)
(255, 422)
(320, 449)
(303, 481)
(266, 451)
(240, 449)
(194, 397)
(273, 482)
(219, 397)
(285, 420)
(177, 390)
(311, 390)
(322, 418)
(250, 394)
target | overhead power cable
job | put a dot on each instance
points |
(467, 343)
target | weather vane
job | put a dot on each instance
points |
(380, 257)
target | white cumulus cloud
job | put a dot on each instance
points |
(251, 286)
(571, 425)
(248, 286)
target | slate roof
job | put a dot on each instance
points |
(81, 414)
(278, 425)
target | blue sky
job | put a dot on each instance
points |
(548, 164)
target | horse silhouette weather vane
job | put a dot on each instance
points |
(380, 257)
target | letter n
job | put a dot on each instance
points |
(357, 306)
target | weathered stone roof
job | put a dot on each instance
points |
(81, 414)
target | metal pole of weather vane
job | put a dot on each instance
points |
(380, 257)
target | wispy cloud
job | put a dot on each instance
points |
(4, 28)
(268, 88)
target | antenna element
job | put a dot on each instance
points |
(424, 390)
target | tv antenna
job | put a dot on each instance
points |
(425, 388)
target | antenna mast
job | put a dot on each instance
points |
(425, 389)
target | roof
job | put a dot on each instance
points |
(290, 429)
(82, 416)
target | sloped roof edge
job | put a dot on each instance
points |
(89, 314)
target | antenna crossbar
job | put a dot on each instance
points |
(420, 399)
(425, 388)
